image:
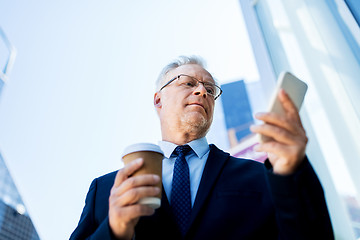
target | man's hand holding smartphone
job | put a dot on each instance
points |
(282, 135)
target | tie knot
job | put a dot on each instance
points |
(182, 150)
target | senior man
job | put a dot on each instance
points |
(207, 194)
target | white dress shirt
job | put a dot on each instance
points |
(196, 160)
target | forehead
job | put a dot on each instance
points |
(193, 70)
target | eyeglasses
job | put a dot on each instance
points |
(189, 82)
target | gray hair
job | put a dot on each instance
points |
(181, 60)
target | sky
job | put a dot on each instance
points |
(82, 86)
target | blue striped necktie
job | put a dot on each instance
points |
(180, 191)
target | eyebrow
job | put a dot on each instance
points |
(212, 80)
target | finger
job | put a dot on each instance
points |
(282, 150)
(284, 159)
(278, 134)
(288, 105)
(134, 195)
(127, 171)
(131, 212)
(271, 148)
(279, 120)
(136, 181)
(274, 149)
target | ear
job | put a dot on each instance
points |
(157, 100)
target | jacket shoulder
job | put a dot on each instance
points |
(106, 178)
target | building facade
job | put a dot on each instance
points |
(319, 42)
(15, 222)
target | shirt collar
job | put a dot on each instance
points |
(199, 146)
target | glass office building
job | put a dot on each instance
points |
(318, 41)
(15, 223)
(234, 101)
(239, 98)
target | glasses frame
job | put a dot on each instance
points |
(203, 83)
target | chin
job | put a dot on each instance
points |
(196, 123)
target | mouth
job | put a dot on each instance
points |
(197, 104)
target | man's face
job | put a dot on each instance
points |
(182, 108)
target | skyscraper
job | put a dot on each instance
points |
(234, 102)
(15, 223)
(238, 119)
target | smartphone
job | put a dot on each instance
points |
(294, 87)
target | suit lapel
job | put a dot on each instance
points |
(165, 203)
(168, 216)
(213, 167)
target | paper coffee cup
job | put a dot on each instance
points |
(152, 156)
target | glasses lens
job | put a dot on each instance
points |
(211, 89)
(190, 82)
(187, 81)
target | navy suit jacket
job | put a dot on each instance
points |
(236, 199)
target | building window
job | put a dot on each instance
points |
(317, 41)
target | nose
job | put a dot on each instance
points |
(200, 90)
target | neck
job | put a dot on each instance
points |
(180, 138)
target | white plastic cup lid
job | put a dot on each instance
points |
(137, 147)
(152, 202)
